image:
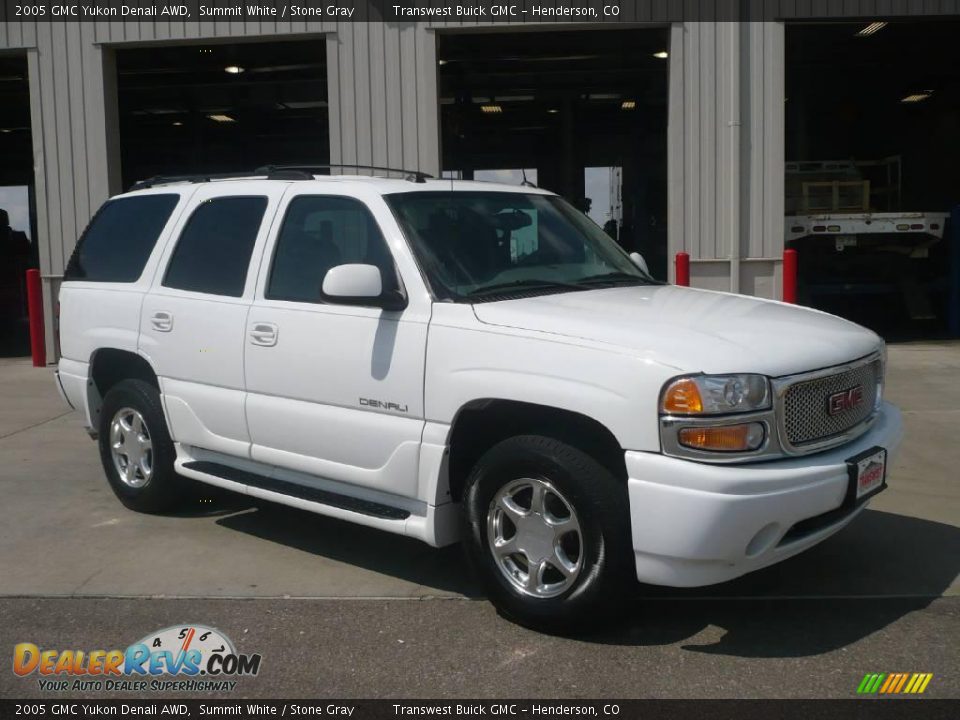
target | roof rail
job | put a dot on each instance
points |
(288, 172)
(274, 172)
(198, 178)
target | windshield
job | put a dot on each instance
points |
(485, 245)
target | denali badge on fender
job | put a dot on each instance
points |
(383, 405)
(844, 400)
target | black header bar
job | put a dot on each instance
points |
(442, 11)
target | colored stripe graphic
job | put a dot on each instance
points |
(894, 683)
(903, 680)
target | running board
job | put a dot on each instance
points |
(295, 490)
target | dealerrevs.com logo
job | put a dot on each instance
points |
(197, 657)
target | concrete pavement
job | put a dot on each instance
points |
(78, 570)
(68, 535)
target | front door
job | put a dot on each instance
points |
(334, 390)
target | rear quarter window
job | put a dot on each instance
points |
(118, 241)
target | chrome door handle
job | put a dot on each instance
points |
(264, 334)
(162, 321)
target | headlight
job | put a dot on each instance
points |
(715, 395)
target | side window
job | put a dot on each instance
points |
(118, 241)
(213, 253)
(318, 233)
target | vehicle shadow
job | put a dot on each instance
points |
(393, 555)
(204, 500)
(868, 576)
(871, 574)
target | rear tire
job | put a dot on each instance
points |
(136, 450)
(547, 528)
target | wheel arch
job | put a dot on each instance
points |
(108, 366)
(480, 424)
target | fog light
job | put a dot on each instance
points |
(723, 438)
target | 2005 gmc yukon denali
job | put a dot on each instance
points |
(465, 361)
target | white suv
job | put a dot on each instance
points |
(465, 361)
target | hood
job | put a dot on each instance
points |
(692, 330)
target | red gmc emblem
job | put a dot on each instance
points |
(844, 400)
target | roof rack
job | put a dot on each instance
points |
(274, 172)
(306, 172)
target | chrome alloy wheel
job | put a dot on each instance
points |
(131, 447)
(535, 538)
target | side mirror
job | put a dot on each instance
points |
(640, 263)
(358, 284)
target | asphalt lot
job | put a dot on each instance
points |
(339, 610)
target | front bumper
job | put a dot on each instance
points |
(699, 524)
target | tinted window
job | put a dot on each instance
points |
(476, 245)
(120, 238)
(214, 250)
(319, 233)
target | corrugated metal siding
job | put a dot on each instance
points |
(725, 136)
(702, 137)
(725, 180)
(383, 95)
(763, 135)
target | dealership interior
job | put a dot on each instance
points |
(872, 120)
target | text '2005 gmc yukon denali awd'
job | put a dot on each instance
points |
(465, 361)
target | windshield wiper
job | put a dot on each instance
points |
(530, 284)
(613, 277)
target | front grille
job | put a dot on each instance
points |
(806, 418)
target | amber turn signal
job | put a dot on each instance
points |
(682, 397)
(723, 438)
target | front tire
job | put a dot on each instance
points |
(136, 450)
(547, 528)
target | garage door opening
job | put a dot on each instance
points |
(583, 114)
(221, 108)
(18, 247)
(872, 117)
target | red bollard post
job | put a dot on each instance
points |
(35, 310)
(683, 269)
(790, 276)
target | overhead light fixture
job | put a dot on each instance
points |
(441, 62)
(221, 118)
(233, 69)
(553, 111)
(205, 51)
(628, 105)
(661, 55)
(5, 130)
(177, 123)
(870, 29)
(305, 104)
(491, 109)
(916, 97)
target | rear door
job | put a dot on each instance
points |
(193, 319)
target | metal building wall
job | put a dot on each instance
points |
(725, 122)
(726, 153)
